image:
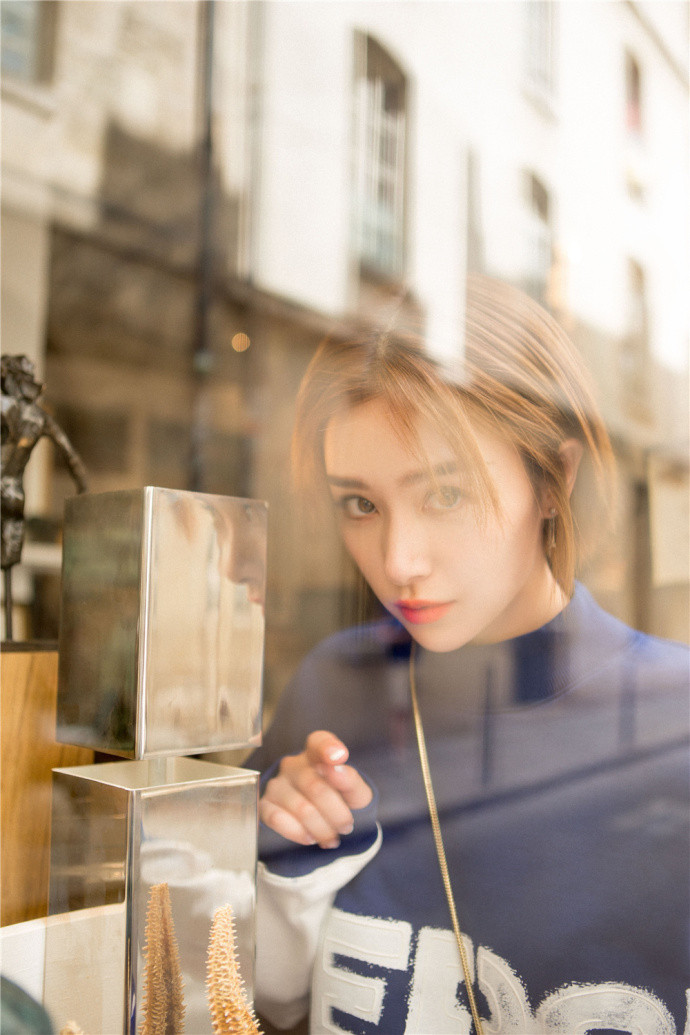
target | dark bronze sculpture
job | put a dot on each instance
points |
(24, 422)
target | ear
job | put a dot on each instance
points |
(570, 453)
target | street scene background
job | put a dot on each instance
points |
(196, 192)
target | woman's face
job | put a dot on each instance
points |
(450, 571)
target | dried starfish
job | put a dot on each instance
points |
(230, 1012)
(164, 998)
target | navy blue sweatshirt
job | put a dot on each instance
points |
(560, 768)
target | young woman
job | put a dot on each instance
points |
(475, 811)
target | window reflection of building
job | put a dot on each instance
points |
(476, 261)
(635, 358)
(378, 166)
(636, 171)
(540, 50)
(27, 39)
(380, 128)
(633, 95)
(538, 236)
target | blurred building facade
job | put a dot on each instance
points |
(194, 193)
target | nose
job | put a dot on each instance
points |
(406, 551)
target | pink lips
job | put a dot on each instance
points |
(421, 612)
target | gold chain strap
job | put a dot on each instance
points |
(438, 840)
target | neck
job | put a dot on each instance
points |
(540, 602)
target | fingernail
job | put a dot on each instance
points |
(337, 755)
(347, 829)
(334, 843)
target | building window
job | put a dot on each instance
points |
(635, 345)
(539, 236)
(540, 50)
(636, 171)
(27, 31)
(637, 307)
(633, 95)
(380, 145)
(476, 262)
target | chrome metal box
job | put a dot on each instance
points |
(162, 624)
(143, 855)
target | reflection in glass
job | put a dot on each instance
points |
(120, 829)
(161, 643)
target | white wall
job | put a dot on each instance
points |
(301, 246)
(601, 225)
(465, 63)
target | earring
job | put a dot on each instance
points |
(551, 532)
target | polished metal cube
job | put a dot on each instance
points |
(119, 830)
(162, 624)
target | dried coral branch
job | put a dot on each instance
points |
(163, 1005)
(230, 1012)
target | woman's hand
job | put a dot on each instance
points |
(310, 799)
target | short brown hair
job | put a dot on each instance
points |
(518, 372)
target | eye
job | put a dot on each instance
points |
(446, 497)
(356, 506)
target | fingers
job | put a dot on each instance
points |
(289, 812)
(311, 798)
(354, 790)
(328, 754)
(324, 748)
(314, 811)
(285, 824)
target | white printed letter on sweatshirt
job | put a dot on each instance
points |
(290, 912)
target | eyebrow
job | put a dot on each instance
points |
(438, 470)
